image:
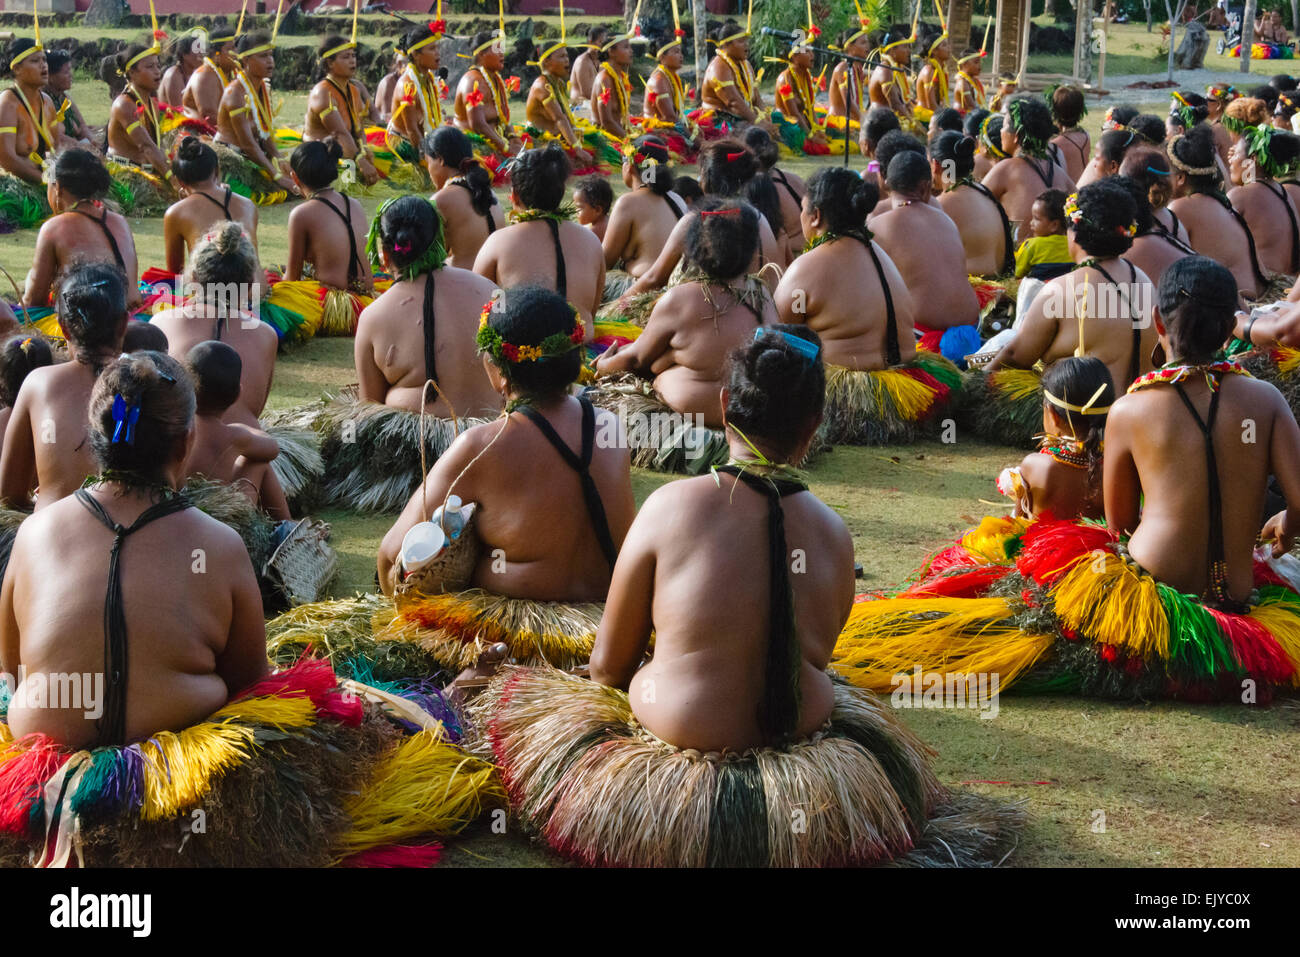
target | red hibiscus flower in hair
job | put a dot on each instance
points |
(814, 32)
(438, 27)
(160, 35)
(679, 32)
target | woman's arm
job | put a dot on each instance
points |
(243, 661)
(36, 291)
(1120, 482)
(1033, 338)
(657, 276)
(297, 245)
(173, 240)
(626, 623)
(372, 385)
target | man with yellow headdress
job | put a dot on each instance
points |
(848, 85)
(889, 86)
(202, 97)
(416, 106)
(611, 95)
(482, 108)
(968, 90)
(551, 118)
(245, 142)
(664, 107)
(137, 122)
(795, 113)
(932, 89)
(730, 91)
(339, 106)
(28, 134)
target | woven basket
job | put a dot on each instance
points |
(303, 565)
(450, 571)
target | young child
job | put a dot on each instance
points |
(594, 198)
(688, 188)
(19, 355)
(1046, 254)
(1062, 480)
(235, 454)
(143, 337)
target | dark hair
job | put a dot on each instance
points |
(843, 198)
(316, 163)
(195, 162)
(1283, 148)
(1196, 148)
(412, 223)
(909, 174)
(143, 337)
(1113, 144)
(1067, 105)
(1267, 93)
(1053, 201)
(1076, 379)
(653, 147)
(726, 166)
(161, 388)
(81, 173)
(92, 305)
(16, 46)
(1145, 218)
(329, 42)
(893, 143)
(957, 149)
(762, 145)
(761, 193)
(1106, 210)
(1197, 298)
(688, 188)
(1121, 115)
(1150, 127)
(413, 36)
(723, 243)
(773, 391)
(1282, 82)
(538, 177)
(130, 53)
(879, 122)
(18, 356)
(56, 60)
(215, 368)
(596, 191)
(1195, 103)
(975, 122)
(947, 119)
(525, 316)
(454, 148)
(1148, 168)
(246, 41)
(596, 31)
(1032, 120)
(727, 28)
(178, 46)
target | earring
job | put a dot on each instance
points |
(1158, 357)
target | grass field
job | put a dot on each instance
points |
(1104, 784)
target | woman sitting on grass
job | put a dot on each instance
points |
(207, 202)
(847, 290)
(643, 217)
(736, 692)
(20, 354)
(469, 210)
(82, 229)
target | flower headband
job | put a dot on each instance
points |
(1075, 215)
(1225, 93)
(1211, 170)
(556, 344)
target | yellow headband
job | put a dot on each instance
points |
(939, 39)
(978, 55)
(499, 38)
(151, 51)
(335, 51)
(562, 42)
(264, 48)
(1088, 408)
(26, 53)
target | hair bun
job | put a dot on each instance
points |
(776, 367)
(965, 148)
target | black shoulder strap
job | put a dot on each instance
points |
(580, 464)
(561, 280)
(112, 726)
(430, 356)
(1045, 177)
(345, 216)
(1135, 354)
(1008, 243)
(1250, 242)
(1217, 564)
(893, 351)
(102, 222)
(487, 214)
(1295, 228)
(223, 205)
(779, 176)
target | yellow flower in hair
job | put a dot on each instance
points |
(529, 353)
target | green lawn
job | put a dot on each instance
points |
(1104, 784)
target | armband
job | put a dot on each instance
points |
(9, 129)
(723, 84)
(133, 126)
(242, 109)
(327, 111)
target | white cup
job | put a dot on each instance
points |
(421, 545)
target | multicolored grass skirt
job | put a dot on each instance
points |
(371, 452)
(583, 774)
(1056, 607)
(245, 177)
(324, 311)
(138, 190)
(1004, 406)
(297, 771)
(887, 406)
(433, 637)
(660, 438)
(797, 142)
(1264, 51)
(23, 205)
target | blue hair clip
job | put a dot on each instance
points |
(125, 416)
(809, 350)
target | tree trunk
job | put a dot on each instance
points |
(1083, 41)
(1247, 34)
(1147, 5)
(1295, 15)
(698, 22)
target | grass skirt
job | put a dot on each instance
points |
(660, 438)
(1055, 607)
(245, 177)
(887, 406)
(797, 142)
(617, 282)
(324, 311)
(297, 771)
(430, 638)
(1005, 406)
(584, 775)
(371, 452)
(299, 465)
(139, 191)
(22, 204)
